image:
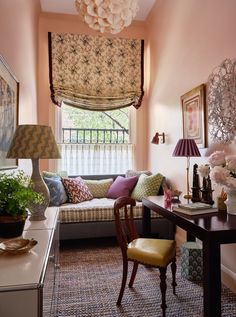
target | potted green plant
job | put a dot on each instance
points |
(16, 196)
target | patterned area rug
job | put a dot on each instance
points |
(89, 284)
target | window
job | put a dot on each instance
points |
(95, 142)
(84, 126)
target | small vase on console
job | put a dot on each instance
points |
(231, 200)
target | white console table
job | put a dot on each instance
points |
(26, 278)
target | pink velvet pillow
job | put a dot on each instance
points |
(76, 189)
(122, 187)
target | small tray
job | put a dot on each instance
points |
(17, 246)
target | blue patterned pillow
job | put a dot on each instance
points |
(57, 191)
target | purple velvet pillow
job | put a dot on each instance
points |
(122, 187)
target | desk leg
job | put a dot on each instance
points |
(190, 237)
(211, 279)
(146, 221)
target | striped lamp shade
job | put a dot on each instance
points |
(33, 141)
(186, 148)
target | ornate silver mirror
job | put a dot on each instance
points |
(221, 97)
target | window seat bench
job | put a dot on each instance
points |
(95, 218)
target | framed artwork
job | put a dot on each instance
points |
(9, 101)
(194, 113)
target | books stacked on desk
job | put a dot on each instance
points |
(194, 208)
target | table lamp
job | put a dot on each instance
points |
(186, 148)
(35, 142)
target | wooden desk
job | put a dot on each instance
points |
(213, 229)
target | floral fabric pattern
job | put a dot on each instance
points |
(96, 73)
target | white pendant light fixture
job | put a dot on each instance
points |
(109, 16)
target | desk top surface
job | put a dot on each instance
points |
(219, 225)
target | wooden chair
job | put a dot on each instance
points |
(151, 252)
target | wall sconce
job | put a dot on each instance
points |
(158, 138)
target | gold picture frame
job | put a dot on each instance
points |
(194, 115)
(9, 102)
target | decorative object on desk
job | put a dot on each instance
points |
(108, 15)
(167, 198)
(195, 206)
(158, 138)
(195, 212)
(223, 172)
(9, 102)
(206, 190)
(35, 142)
(196, 186)
(222, 102)
(231, 200)
(16, 196)
(221, 201)
(186, 148)
(175, 195)
(193, 111)
(17, 246)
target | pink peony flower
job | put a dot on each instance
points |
(217, 158)
(223, 169)
(220, 175)
(231, 162)
(231, 182)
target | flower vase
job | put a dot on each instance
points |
(231, 201)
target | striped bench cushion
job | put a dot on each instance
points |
(97, 209)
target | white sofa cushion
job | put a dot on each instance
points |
(97, 209)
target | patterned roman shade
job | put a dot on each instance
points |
(96, 73)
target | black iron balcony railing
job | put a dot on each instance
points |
(84, 136)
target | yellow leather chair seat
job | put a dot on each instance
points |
(156, 252)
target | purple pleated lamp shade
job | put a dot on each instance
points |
(186, 148)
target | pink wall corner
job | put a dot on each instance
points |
(19, 47)
(71, 24)
(187, 39)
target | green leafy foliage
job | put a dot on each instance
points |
(86, 126)
(79, 118)
(16, 194)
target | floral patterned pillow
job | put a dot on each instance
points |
(76, 189)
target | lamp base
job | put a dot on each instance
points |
(188, 197)
(37, 210)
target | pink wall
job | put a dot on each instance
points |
(188, 39)
(72, 24)
(18, 45)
